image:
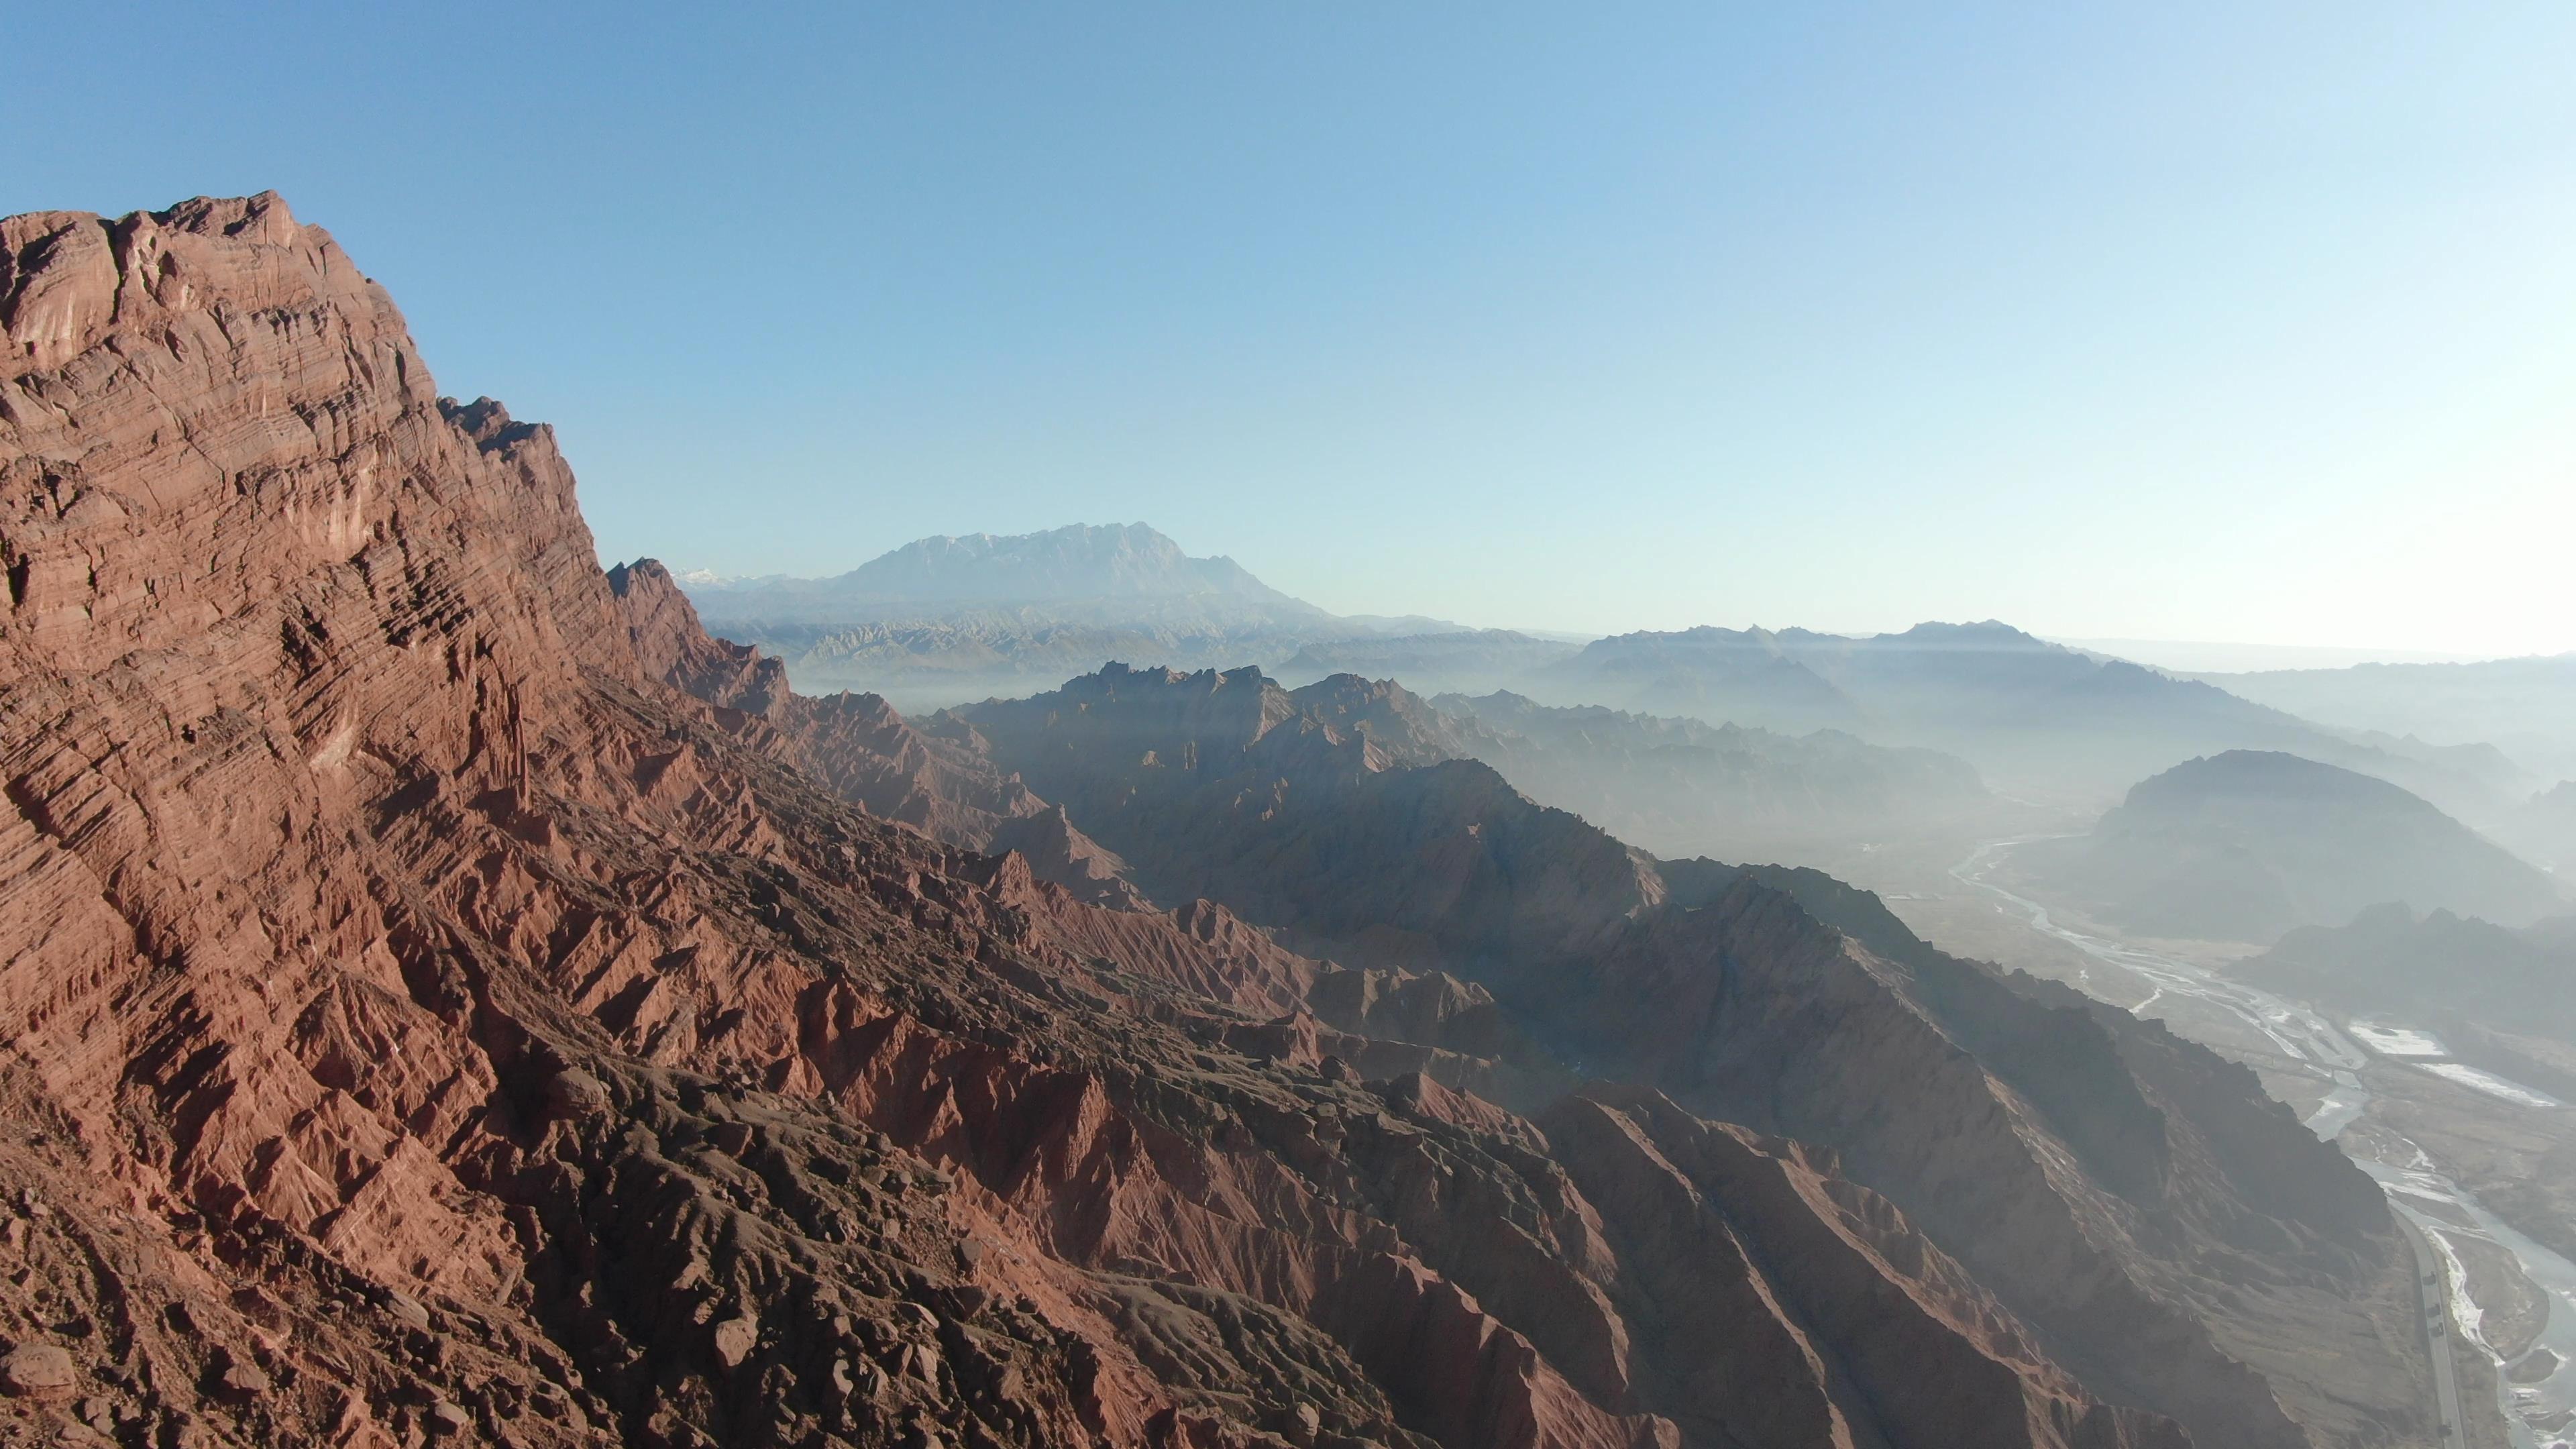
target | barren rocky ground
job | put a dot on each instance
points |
(446, 996)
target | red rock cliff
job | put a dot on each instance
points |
(422, 1017)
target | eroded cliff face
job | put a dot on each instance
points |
(942, 784)
(444, 995)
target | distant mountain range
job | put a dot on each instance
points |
(448, 994)
(2527, 706)
(2209, 656)
(1682, 787)
(2031, 715)
(1468, 661)
(944, 620)
(1080, 563)
(2250, 844)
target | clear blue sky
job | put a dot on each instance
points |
(2232, 321)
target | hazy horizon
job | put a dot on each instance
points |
(1125, 973)
(2192, 324)
(2185, 656)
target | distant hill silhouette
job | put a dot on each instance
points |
(943, 620)
(1749, 677)
(2433, 966)
(2545, 828)
(2526, 706)
(1682, 787)
(2031, 715)
(1469, 661)
(1077, 562)
(2249, 844)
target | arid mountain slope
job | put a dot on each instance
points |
(861, 748)
(2090, 1168)
(445, 995)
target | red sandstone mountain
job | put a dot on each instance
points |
(446, 996)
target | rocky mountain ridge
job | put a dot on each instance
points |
(445, 994)
(1226, 785)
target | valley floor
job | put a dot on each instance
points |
(2483, 1167)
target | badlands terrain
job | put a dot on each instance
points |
(447, 995)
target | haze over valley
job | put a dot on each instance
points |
(1287, 728)
(2157, 841)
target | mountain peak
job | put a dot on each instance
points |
(1983, 634)
(2244, 845)
(2275, 774)
(1075, 562)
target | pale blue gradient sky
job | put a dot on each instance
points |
(2198, 321)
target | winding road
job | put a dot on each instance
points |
(2432, 1314)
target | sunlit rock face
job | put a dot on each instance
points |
(446, 995)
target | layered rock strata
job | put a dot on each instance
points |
(445, 996)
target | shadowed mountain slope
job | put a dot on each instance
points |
(2249, 844)
(443, 994)
(2438, 966)
(2016, 1123)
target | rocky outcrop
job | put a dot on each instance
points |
(442, 997)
